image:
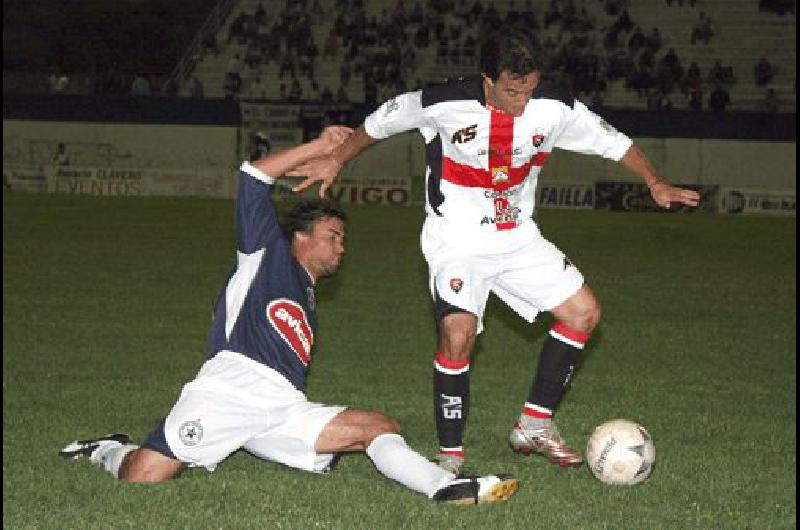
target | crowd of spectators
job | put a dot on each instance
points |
(377, 56)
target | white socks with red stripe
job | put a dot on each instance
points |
(396, 460)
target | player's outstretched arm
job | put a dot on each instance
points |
(662, 191)
(277, 165)
(325, 169)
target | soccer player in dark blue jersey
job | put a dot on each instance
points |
(249, 394)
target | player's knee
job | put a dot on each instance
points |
(593, 314)
(380, 424)
(138, 468)
(457, 336)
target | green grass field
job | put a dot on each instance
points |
(106, 306)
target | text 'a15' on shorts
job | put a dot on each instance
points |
(536, 277)
(235, 402)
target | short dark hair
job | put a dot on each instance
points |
(509, 51)
(303, 216)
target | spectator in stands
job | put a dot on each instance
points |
(553, 14)
(196, 89)
(236, 29)
(693, 80)
(637, 41)
(721, 75)
(57, 82)
(233, 77)
(623, 24)
(141, 85)
(260, 146)
(703, 29)
(763, 72)
(341, 95)
(60, 157)
(696, 99)
(170, 88)
(771, 103)
(331, 47)
(654, 41)
(295, 92)
(719, 99)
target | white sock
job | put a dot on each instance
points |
(395, 459)
(109, 456)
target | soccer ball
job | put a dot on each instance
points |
(621, 452)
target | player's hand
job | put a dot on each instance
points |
(333, 136)
(665, 194)
(324, 170)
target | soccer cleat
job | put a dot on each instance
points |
(81, 448)
(547, 442)
(477, 490)
(450, 463)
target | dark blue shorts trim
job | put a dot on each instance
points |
(157, 441)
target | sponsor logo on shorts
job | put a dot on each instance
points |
(456, 284)
(289, 320)
(190, 433)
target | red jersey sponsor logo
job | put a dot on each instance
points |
(289, 320)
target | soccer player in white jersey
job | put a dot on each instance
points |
(486, 139)
(250, 391)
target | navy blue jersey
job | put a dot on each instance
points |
(265, 310)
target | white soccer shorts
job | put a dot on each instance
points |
(536, 277)
(236, 402)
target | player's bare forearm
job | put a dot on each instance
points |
(357, 142)
(325, 169)
(662, 191)
(276, 165)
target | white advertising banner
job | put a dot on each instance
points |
(124, 182)
(392, 191)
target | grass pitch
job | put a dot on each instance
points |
(106, 307)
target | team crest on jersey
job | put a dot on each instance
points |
(456, 284)
(499, 174)
(538, 140)
(289, 320)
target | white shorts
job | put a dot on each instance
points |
(536, 277)
(236, 402)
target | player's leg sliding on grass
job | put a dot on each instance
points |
(348, 430)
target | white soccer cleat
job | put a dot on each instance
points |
(478, 490)
(86, 448)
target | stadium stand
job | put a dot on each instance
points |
(381, 48)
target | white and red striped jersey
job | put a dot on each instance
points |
(483, 164)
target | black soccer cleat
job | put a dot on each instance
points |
(478, 490)
(81, 448)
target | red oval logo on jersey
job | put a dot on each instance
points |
(289, 320)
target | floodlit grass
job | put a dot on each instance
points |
(106, 306)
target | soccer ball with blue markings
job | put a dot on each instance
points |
(621, 452)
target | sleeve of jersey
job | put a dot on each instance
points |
(256, 219)
(585, 132)
(400, 114)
